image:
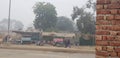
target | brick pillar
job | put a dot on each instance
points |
(108, 29)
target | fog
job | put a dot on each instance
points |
(22, 9)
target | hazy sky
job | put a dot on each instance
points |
(22, 9)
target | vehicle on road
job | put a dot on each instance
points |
(58, 42)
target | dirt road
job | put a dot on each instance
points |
(6, 53)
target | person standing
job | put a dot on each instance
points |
(67, 43)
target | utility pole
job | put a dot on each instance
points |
(9, 14)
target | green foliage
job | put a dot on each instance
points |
(64, 24)
(85, 25)
(85, 19)
(91, 4)
(45, 16)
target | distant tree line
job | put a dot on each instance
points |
(46, 18)
(14, 25)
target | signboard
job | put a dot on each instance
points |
(26, 39)
(58, 40)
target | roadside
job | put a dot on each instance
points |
(9, 53)
(80, 49)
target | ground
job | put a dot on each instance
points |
(79, 49)
(8, 53)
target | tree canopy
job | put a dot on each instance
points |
(64, 24)
(45, 16)
(85, 19)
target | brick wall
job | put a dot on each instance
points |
(108, 29)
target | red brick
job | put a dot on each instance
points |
(115, 22)
(98, 48)
(103, 11)
(117, 38)
(118, 33)
(117, 49)
(104, 37)
(104, 48)
(100, 17)
(114, 6)
(99, 6)
(103, 27)
(119, 54)
(102, 53)
(108, 38)
(102, 43)
(114, 11)
(115, 33)
(106, 27)
(115, 43)
(98, 27)
(116, 28)
(105, 6)
(110, 48)
(111, 17)
(103, 1)
(102, 33)
(115, 1)
(117, 17)
(98, 37)
(103, 22)
(113, 54)
(118, 11)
